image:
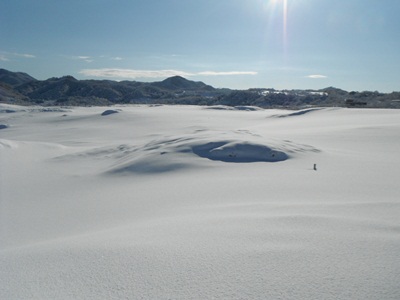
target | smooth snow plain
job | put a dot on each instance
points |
(190, 202)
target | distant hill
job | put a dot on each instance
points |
(14, 78)
(21, 88)
(179, 83)
(7, 93)
(69, 90)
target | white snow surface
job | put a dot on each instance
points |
(188, 202)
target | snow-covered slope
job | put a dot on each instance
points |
(186, 202)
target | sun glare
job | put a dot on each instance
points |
(284, 4)
(284, 22)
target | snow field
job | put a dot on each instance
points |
(187, 202)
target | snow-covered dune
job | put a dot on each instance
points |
(188, 202)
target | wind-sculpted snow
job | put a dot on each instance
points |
(184, 202)
(240, 152)
(172, 154)
(175, 153)
(11, 109)
(224, 107)
(298, 113)
(109, 112)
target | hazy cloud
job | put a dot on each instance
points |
(316, 76)
(128, 73)
(85, 58)
(213, 73)
(25, 55)
(5, 56)
(88, 59)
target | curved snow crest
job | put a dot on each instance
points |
(199, 148)
(298, 113)
(225, 107)
(150, 165)
(239, 152)
(9, 109)
(187, 152)
(7, 144)
(110, 112)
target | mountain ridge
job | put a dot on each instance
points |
(21, 88)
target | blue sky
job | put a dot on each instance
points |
(282, 44)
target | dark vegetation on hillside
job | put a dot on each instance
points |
(21, 88)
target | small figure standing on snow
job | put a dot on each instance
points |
(315, 167)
